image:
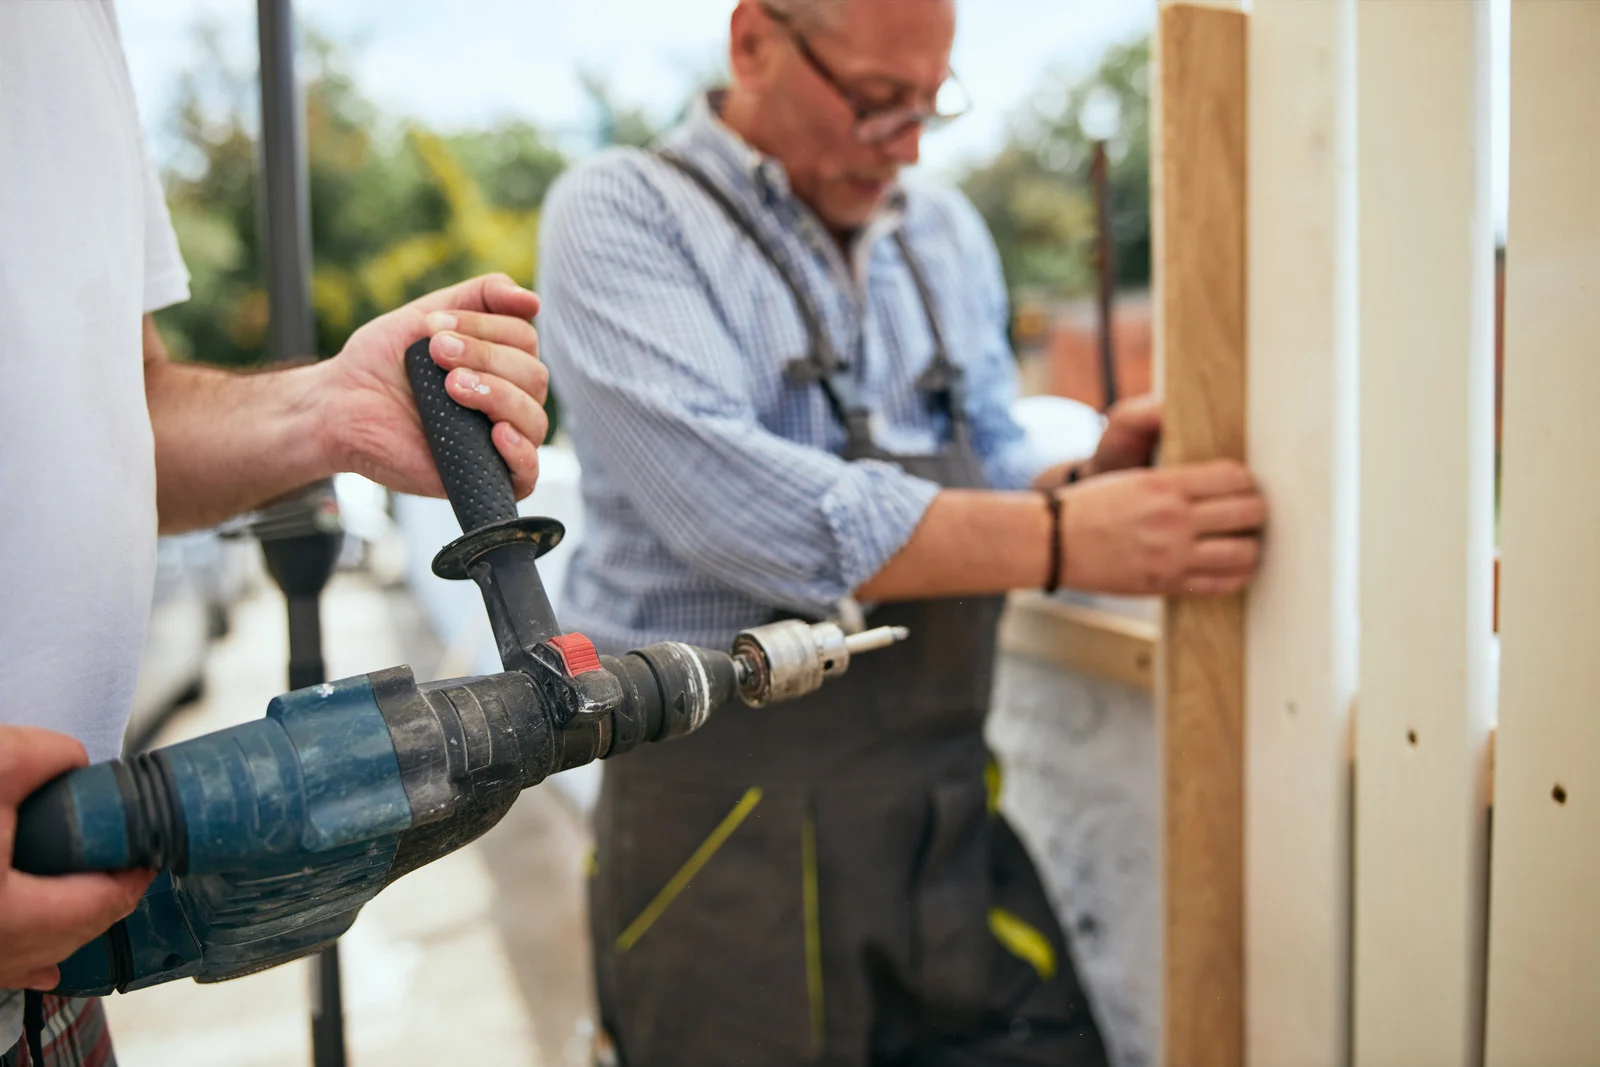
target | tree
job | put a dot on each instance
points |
(1034, 193)
(396, 210)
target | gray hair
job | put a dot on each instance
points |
(806, 14)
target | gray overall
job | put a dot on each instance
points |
(829, 881)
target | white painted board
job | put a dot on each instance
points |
(1301, 625)
(1544, 944)
(1426, 532)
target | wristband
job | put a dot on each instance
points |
(1053, 501)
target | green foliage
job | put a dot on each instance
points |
(396, 210)
(1035, 194)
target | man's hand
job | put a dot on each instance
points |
(482, 336)
(1183, 531)
(1133, 427)
(45, 920)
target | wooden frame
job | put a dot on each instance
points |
(1200, 337)
(1350, 912)
(1544, 945)
(1100, 644)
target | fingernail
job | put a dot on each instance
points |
(471, 383)
(512, 436)
(438, 320)
(449, 345)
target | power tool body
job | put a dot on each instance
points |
(270, 836)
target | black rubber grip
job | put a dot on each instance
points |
(475, 478)
(49, 839)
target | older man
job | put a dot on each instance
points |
(788, 382)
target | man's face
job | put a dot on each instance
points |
(871, 55)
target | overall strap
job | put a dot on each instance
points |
(823, 364)
(942, 379)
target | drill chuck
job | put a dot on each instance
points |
(788, 659)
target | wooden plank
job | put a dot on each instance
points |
(1201, 334)
(1301, 633)
(1544, 944)
(1087, 641)
(1426, 263)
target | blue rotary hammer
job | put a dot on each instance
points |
(270, 836)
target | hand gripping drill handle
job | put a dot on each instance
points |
(378, 755)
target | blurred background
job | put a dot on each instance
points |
(434, 132)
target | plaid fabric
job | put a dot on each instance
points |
(75, 1035)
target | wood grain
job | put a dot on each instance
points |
(1544, 938)
(1201, 313)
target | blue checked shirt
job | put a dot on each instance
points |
(713, 489)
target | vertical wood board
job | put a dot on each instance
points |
(1426, 532)
(1544, 944)
(1201, 253)
(1301, 630)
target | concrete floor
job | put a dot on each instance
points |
(479, 957)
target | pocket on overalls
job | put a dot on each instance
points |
(982, 947)
(954, 949)
(709, 951)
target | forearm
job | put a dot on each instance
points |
(969, 543)
(228, 442)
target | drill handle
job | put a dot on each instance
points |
(475, 477)
(496, 549)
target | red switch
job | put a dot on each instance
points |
(577, 652)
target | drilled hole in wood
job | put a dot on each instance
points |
(1559, 794)
(1411, 738)
(827, 665)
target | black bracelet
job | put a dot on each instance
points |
(1053, 501)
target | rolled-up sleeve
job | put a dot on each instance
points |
(661, 398)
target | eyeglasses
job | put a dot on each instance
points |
(877, 123)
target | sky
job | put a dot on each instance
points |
(464, 64)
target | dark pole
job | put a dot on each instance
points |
(283, 187)
(1104, 267)
(301, 536)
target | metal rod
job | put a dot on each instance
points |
(881, 637)
(301, 561)
(285, 218)
(1098, 177)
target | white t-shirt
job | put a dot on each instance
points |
(86, 248)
